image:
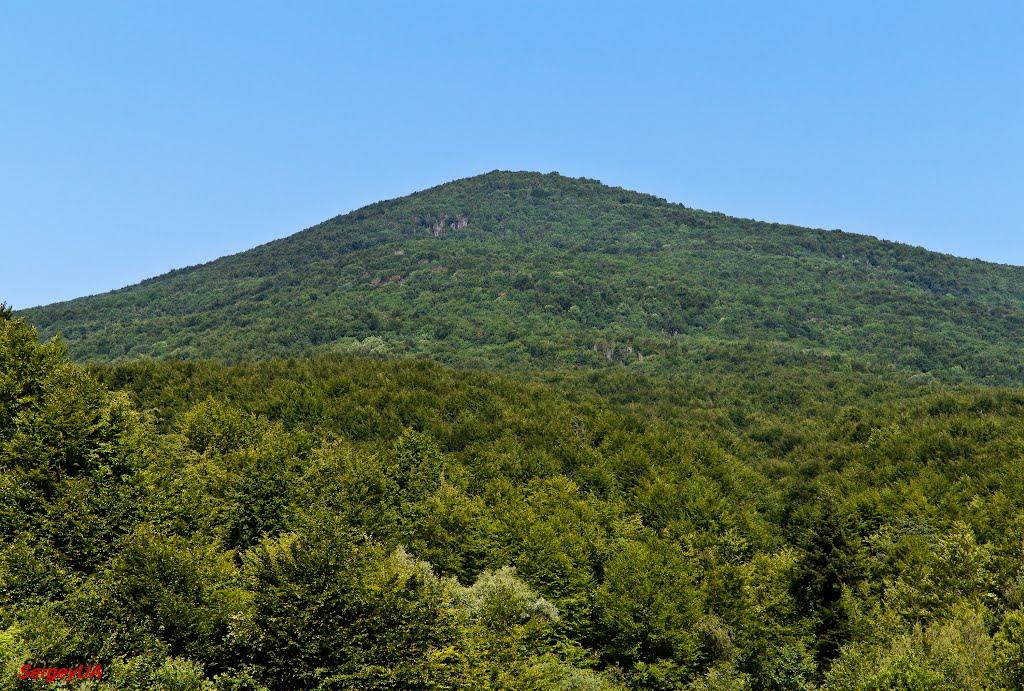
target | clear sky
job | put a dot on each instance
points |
(136, 136)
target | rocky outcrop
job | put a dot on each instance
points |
(442, 223)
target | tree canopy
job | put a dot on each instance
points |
(343, 522)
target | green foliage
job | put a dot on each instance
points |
(1008, 653)
(325, 614)
(953, 654)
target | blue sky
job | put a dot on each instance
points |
(136, 137)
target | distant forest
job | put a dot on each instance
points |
(531, 271)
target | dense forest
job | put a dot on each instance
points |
(350, 523)
(522, 432)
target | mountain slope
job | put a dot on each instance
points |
(543, 271)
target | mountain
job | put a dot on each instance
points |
(547, 272)
(662, 449)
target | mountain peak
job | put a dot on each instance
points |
(539, 269)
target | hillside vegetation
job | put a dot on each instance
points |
(536, 271)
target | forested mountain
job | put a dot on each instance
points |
(546, 272)
(522, 431)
